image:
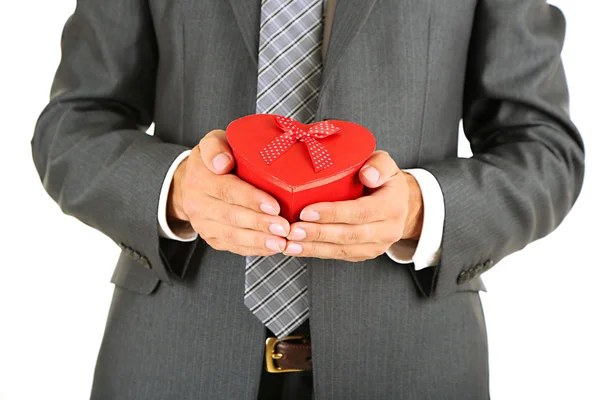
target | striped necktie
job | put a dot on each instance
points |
(289, 75)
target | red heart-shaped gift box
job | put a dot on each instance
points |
(291, 177)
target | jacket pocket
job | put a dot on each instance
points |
(133, 276)
(424, 279)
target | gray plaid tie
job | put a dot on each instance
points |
(289, 75)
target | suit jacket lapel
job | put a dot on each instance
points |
(349, 18)
(247, 15)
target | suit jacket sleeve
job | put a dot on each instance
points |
(90, 146)
(528, 158)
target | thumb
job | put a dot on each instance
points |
(378, 169)
(216, 153)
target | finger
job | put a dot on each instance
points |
(216, 153)
(243, 237)
(356, 212)
(222, 245)
(358, 259)
(378, 169)
(333, 251)
(242, 217)
(377, 232)
(233, 190)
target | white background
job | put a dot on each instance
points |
(542, 308)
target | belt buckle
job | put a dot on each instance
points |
(271, 355)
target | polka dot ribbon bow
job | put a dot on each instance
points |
(293, 133)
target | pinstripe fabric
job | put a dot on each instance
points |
(289, 75)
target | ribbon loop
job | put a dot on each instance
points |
(292, 133)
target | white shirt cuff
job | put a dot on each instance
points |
(426, 251)
(164, 230)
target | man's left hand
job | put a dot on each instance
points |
(365, 228)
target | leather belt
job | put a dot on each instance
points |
(290, 354)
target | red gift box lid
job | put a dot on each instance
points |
(294, 170)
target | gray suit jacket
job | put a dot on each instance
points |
(408, 70)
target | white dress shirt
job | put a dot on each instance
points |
(423, 252)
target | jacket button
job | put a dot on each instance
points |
(462, 277)
(144, 261)
(472, 273)
(487, 265)
(479, 269)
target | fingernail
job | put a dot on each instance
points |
(268, 209)
(297, 234)
(309, 215)
(293, 249)
(221, 161)
(371, 174)
(273, 245)
(277, 229)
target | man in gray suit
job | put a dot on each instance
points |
(409, 71)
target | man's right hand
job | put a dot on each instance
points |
(228, 213)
